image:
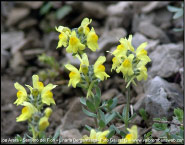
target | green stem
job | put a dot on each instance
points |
(33, 132)
(128, 106)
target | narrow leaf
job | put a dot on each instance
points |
(88, 113)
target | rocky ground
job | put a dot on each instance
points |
(28, 30)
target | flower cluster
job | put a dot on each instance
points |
(77, 39)
(96, 137)
(131, 62)
(34, 103)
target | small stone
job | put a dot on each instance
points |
(27, 23)
(109, 94)
(70, 134)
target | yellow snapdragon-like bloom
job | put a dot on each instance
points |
(47, 95)
(141, 53)
(21, 94)
(27, 112)
(131, 137)
(36, 84)
(84, 63)
(74, 44)
(120, 51)
(64, 35)
(96, 137)
(74, 75)
(43, 123)
(92, 40)
(84, 26)
(126, 66)
(116, 63)
(143, 71)
(127, 43)
(99, 68)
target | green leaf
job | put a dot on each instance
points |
(143, 114)
(115, 101)
(90, 106)
(57, 134)
(62, 12)
(97, 101)
(115, 128)
(111, 133)
(109, 102)
(45, 9)
(160, 126)
(132, 117)
(178, 14)
(83, 101)
(101, 124)
(123, 134)
(102, 115)
(98, 92)
(88, 113)
(88, 128)
(173, 9)
(179, 114)
(19, 138)
(124, 111)
(110, 117)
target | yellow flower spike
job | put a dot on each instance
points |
(48, 112)
(99, 68)
(131, 137)
(143, 71)
(141, 53)
(92, 40)
(74, 44)
(84, 63)
(21, 94)
(63, 29)
(126, 66)
(36, 83)
(47, 95)
(74, 75)
(62, 40)
(43, 123)
(27, 112)
(120, 51)
(84, 26)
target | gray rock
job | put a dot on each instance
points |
(152, 31)
(174, 128)
(119, 108)
(32, 53)
(153, 6)
(70, 134)
(16, 15)
(113, 22)
(51, 40)
(181, 71)
(165, 56)
(109, 94)
(140, 102)
(75, 117)
(5, 56)
(11, 39)
(93, 9)
(110, 38)
(27, 23)
(32, 5)
(121, 99)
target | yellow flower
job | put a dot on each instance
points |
(84, 63)
(126, 66)
(36, 84)
(84, 26)
(43, 123)
(99, 68)
(120, 51)
(131, 137)
(74, 44)
(143, 71)
(62, 40)
(116, 62)
(96, 137)
(21, 94)
(127, 43)
(74, 75)
(92, 40)
(141, 53)
(66, 30)
(47, 95)
(27, 112)
(48, 112)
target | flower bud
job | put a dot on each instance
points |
(84, 69)
(80, 29)
(35, 92)
(43, 123)
(48, 112)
